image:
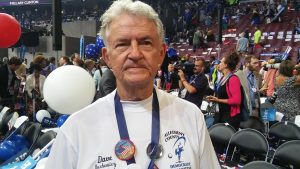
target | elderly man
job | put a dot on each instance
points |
(137, 125)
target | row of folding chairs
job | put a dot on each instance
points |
(246, 145)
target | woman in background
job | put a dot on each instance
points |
(228, 93)
(34, 88)
(288, 91)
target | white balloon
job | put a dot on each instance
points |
(41, 114)
(20, 121)
(68, 89)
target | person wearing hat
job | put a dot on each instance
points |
(215, 74)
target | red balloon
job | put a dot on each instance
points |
(10, 30)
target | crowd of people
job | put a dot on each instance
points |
(21, 84)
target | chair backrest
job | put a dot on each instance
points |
(32, 132)
(259, 165)
(250, 141)
(221, 133)
(44, 139)
(4, 123)
(253, 123)
(288, 153)
(285, 130)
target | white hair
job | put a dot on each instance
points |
(137, 8)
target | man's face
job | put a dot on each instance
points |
(253, 65)
(170, 68)
(199, 67)
(14, 67)
(61, 62)
(134, 50)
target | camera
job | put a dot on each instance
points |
(187, 68)
(272, 66)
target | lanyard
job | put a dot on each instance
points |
(123, 131)
(193, 78)
(252, 80)
(222, 81)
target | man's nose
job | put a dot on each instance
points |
(135, 52)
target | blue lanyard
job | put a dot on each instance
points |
(223, 81)
(251, 79)
(123, 131)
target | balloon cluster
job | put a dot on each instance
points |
(99, 43)
(9, 148)
(10, 30)
(42, 114)
(92, 50)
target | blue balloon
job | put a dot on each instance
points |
(172, 52)
(7, 150)
(20, 142)
(91, 51)
(61, 120)
(99, 43)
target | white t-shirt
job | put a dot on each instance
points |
(87, 140)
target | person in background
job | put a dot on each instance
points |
(34, 88)
(195, 87)
(90, 66)
(133, 35)
(249, 81)
(99, 73)
(171, 79)
(216, 75)
(288, 91)
(257, 37)
(7, 81)
(52, 64)
(21, 72)
(64, 60)
(78, 62)
(242, 44)
(228, 93)
(197, 39)
(158, 77)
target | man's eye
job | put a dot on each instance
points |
(146, 43)
(120, 45)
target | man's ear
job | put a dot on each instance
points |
(105, 56)
(163, 51)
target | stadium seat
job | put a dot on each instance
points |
(32, 133)
(253, 123)
(285, 131)
(220, 135)
(45, 138)
(248, 141)
(259, 165)
(288, 154)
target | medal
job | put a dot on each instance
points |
(125, 149)
(154, 151)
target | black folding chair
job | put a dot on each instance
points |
(220, 135)
(284, 131)
(259, 165)
(288, 154)
(250, 142)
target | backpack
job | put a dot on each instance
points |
(244, 110)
